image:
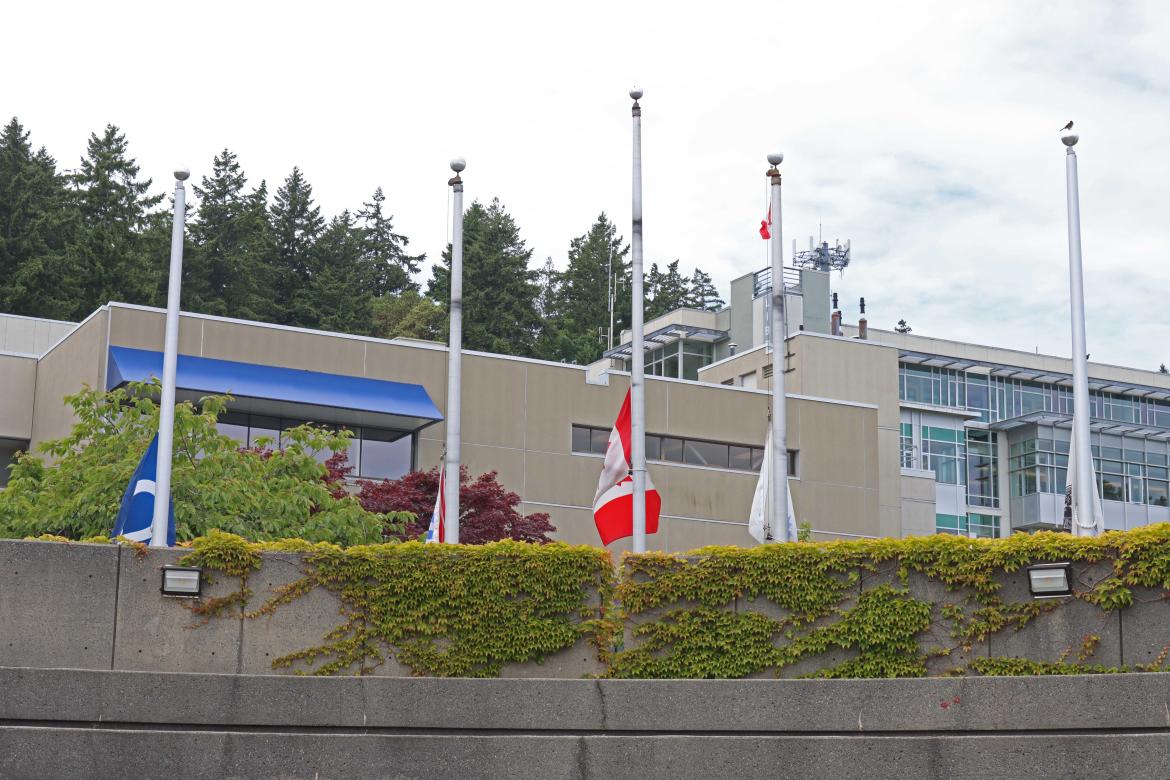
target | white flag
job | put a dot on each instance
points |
(1081, 523)
(760, 519)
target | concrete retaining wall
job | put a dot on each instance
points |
(91, 606)
(71, 723)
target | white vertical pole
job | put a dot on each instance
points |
(1084, 455)
(454, 362)
(779, 478)
(166, 412)
(638, 355)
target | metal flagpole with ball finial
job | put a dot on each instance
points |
(638, 361)
(160, 519)
(454, 361)
(778, 520)
(1085, 521)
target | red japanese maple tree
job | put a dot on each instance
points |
(487, 511)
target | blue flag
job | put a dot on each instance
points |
(138, 502)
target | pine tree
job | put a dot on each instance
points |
(35, 224)
(499, 290)
(296, 224)
(107, 251)
(666, 290)
(385, 251)
(703, 294)
(227, 272)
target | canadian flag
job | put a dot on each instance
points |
(437, 532)
(765, 233)
(613, 506)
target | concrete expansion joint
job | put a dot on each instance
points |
(599, 685)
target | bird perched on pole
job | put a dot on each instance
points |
(1067, 127)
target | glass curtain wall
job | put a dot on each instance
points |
(374, 453)
(996, 398)
(1040, 465)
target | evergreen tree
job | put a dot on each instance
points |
(339, 291)
(580, 311)
(703, 294)
(666, 290)
(227, 272)
(107, 252)
(35, 223)
(499, 290)
(296, 224)
(385, 251)
(548, 280)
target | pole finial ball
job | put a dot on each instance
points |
(636, 93)
(1070, 139)
(182, 174)
(775, 158)
(458, 164)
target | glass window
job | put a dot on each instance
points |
(757, 458)
(653, 447)
(1158, 472)
(705, 453)
(691, 366)
(235, 425)
(1135, 490)
(1113, 453)
(739, 457)
(385, 454)
(984, 526)
(792, 463)
(599, 440)
(918, 385)
(1111, 488)
(950, 524)
(1156, 458)
(581, 439)
(672, 449)
(1135, 456)
(1158, 492)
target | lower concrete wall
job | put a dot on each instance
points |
(70, 723)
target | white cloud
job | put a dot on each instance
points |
(926, 132)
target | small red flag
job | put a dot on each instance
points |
(764, 232)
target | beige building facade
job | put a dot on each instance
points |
(528, 420)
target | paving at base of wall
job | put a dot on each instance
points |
(79, 723)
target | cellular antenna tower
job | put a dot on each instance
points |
(823, 257)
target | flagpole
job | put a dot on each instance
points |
(638, 362)
(160, 519)
(779, 325)
(1084, 455)
(454, 361)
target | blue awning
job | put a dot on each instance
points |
(284, 392)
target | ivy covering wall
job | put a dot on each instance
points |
(867, 608)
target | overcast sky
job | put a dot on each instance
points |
(925, 132)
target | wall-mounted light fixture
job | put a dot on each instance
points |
(182, 581)
(1050, 580)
